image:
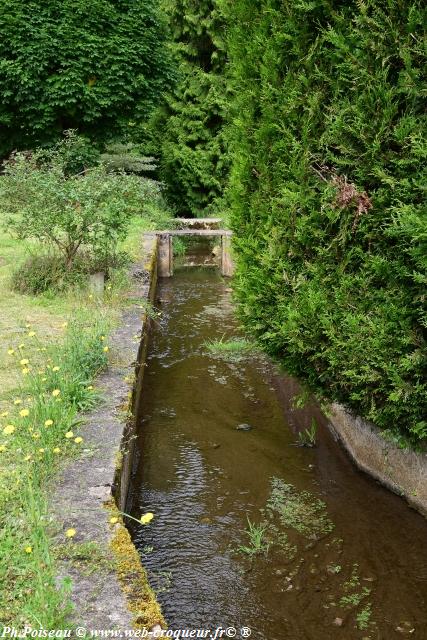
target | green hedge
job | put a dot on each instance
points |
(328, 196)
(98, 67)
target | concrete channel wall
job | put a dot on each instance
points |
(402, 471)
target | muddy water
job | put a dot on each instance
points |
(346, 558)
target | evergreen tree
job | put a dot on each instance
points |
(190, 126)
(94, 66)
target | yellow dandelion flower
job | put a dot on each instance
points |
(41, 450)
(24, 361)
(17, 401)
(28, 549)
(2, 448)
(78, 440)
(56, 450)
(56, 393)
(31, 334)
(64, 325)
(24, 413)
(70, 533)
(69, 435)
(44, 379)
(36, 436)
(9, 429)
(48, 423)
(102, 338)
(11, 352)
(21, 346)
(25, 371)
(56, 368)
(27, 458)
(4, 414)
(90, 388)
(114, 520)
(106, 349)
(147, 517)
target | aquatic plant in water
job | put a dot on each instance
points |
(232, 350)
(307, 438)
(299, 510)
(257, 542)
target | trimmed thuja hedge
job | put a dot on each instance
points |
(328, 209)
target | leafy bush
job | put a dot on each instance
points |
(88, 212)
(40, 273)
(93, 66)
(48, 272)
(327, 196)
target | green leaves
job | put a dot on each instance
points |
(68, 64)
(87, 211)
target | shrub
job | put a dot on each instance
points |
(70, 213)
(40, 273)
(48, 272)
(329, 168)
(126, 157)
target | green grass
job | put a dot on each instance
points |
(307, 438)
(299, 510)
(232, 350)
(41, 426)
(64, 338)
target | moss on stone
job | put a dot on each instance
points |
(133, 579)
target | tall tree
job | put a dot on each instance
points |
(70, 64)
(190, 126)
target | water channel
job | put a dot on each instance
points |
(339, 556)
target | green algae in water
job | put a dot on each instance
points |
(299, 510)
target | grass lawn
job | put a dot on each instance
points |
(51, 349)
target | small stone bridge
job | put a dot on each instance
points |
(194, 227)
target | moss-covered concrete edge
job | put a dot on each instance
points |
(91, 491)
(401, 470)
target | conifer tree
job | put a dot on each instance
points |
(190, 126)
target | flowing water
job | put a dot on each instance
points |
(340, 556)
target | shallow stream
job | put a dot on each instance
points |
(339, 556)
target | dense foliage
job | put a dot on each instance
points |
(328, 201)
(70, 212)
(190, 125)
(94, 66)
